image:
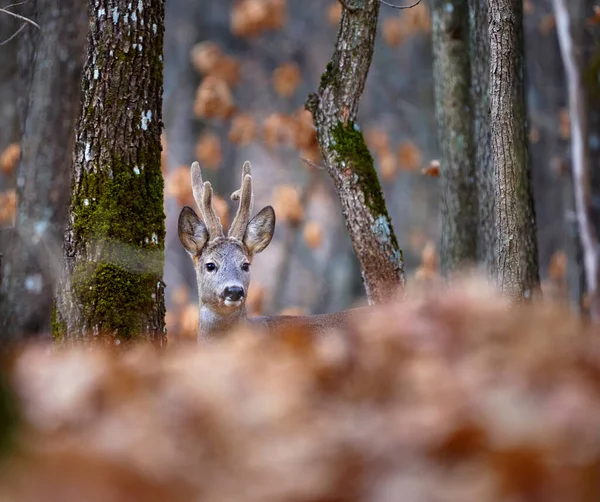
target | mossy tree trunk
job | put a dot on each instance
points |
(451, 71)
(334, 108)
(50, 63)
(479, 47)
(570, 17)
(515, 267)
(114, 247)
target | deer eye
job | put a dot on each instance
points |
(245, 267)
(211, 267)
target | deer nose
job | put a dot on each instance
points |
(233, 293)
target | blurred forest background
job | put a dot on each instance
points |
(235, 83)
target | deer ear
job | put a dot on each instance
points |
(192, 231)
(259, 231)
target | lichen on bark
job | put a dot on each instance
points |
(114, 248)
(334, 108)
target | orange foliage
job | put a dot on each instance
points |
(214, 99)
(243, 129)
(452, 395)
(409, 156)
(393, 31)
(8, 207)
(433, 169)
(287, 204)
(313, 234)
(208, 59)
(208, 150)
(334, 13)
(249, 18)
(178, 185)
(164, 164)
(286, 79)
(9, 158)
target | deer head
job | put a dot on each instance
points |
(222, 263)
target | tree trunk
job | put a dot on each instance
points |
(580, 148)
(480, 84)
(516, 257)
(114, 246)
(334, 109)
(50, 67)
(451, 73)
(9, 132)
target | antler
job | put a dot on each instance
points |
(244, 194)
(203, 197)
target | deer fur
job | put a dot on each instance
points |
(222, 262)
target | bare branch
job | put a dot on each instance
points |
(13, 35)
(18, 16)
(400, 7)
(580, 153)
(312, 164)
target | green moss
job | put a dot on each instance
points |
(121, 207)
(103, 206)
(353, 151)
(327, 76)
(58, 327)
(113, 298)
(354, 154)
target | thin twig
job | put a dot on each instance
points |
(14, 34)
(312, 164)
(16, 4)
(400, 6)
(22, 18)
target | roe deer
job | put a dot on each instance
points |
(222, 263)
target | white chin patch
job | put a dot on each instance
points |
(233, 303)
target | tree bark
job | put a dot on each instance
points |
(451, 73)
(516, 258)
(480, 84)
(334, 109)
(114, 246)
(50, 69)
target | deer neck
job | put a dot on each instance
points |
(215, 323)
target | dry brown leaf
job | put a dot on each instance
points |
(9, 158)
(287, 204)
(8, 207)
(387, 165)
(279, 129)
(334, 13)
(214, 99)
(178, 185)
(286, 79)
(377, 140)
(243, 129)
(222, 210)
(313, 234)
(393, 31)
(432, 169)
(249, 18)
(409, 156)
(208, 150)
(557, 270)
(547, 24)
